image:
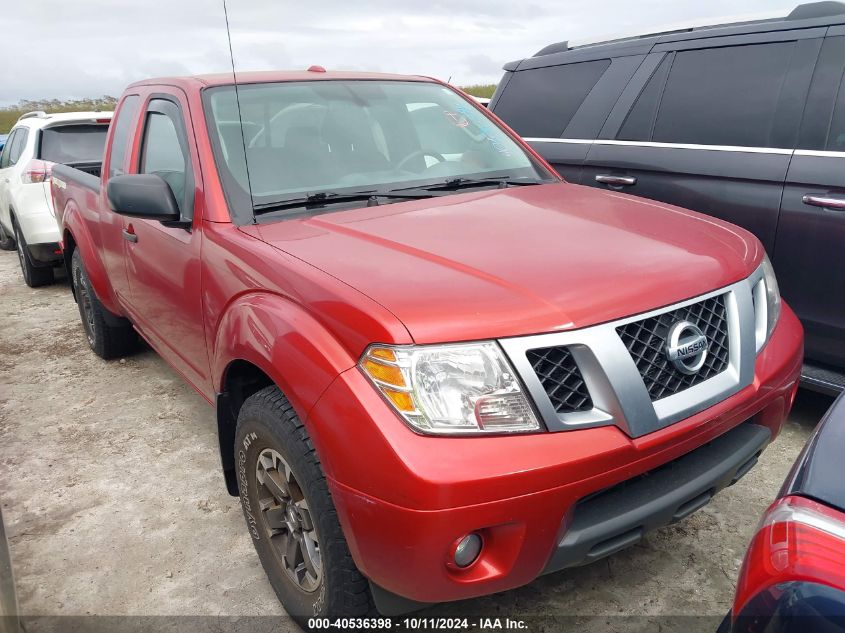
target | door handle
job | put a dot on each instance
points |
(825, 201)
(129, 235)
(616, 181)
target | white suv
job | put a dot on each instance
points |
(35, 144)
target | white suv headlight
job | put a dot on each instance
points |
(451, 389)
(766, 303)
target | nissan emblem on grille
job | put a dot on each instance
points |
(686, 347)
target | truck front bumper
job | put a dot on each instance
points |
(540, 502)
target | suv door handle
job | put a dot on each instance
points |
(616, 181)
(825, 201)
(130, 235)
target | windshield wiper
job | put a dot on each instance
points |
(503, 182)
(322, 198)
(453, 184)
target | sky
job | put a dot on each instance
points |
(88, 48)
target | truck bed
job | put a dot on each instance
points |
(78, 184)
(83, 174)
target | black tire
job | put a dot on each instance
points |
(267, 423)
(107, 341)
(7, 242)
(33, 276)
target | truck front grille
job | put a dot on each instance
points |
(561, 379)
(646, 341)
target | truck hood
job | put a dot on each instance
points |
(523, 260)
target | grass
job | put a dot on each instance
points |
(480, 90)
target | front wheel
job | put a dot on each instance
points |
(290, 514)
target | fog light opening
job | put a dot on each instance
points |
(467, 550)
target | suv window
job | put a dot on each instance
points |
(639, 123)
(541, 102)
(69, 144)
(163, 153)
(7, 149)
(836, 132)
(723, 96)
(123, 125)
(17, 145)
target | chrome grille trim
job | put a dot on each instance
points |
(646, 340)
(616, 387)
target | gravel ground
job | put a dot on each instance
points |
(114, 503)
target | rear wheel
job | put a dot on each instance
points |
(290, 514)
(107, 341)
(32, 275)
(7, 242)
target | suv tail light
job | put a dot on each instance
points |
(37, 171)
(798, 539)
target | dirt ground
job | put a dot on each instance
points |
(114, 502)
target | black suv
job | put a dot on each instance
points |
(744, 121)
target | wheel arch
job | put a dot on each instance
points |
(265, 339)
(75, 232)
(240, 380)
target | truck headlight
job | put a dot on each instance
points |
(451, 389)
(766, 303)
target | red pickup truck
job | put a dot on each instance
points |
(439, 371)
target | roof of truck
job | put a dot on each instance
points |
(271, 76)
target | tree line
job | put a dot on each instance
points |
(10, 114)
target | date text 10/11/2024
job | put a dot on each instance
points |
(411, 623)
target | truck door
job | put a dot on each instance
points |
(808, 255)
(163, 262)
(111, 224)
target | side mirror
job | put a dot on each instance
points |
(143, 196)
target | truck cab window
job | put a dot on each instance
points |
(123, 126)
(163, 154)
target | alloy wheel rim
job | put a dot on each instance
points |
(287, 521)
(85, 307)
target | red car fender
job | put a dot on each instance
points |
(284, 341)
(75, 229)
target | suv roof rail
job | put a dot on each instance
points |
(39, 114)
(809, 10)
(816, 10)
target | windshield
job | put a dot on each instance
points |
(73, 143)
(335, 137)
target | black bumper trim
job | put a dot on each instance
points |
(618, 517)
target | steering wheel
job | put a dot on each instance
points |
(421, 152)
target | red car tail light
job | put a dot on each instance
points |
(37, 171)
(798, 539)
